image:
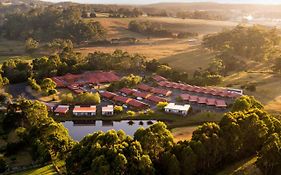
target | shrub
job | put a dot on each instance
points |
(131, 113)
(118, 109)
(162, 105)
(52, 92)
(33, 84)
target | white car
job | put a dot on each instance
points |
(139, 98)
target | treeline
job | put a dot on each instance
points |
(240, 134)
(125, 13)
(68, 61)
(47, 139)
(208, 15)
(237, 46)
(150, 28)
(19, 70)
(51, 23)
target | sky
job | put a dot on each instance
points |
(158, 1)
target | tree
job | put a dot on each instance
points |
(169, 164)
(127, 81)
(16, 70)
(87, 98)
(108, 153)
(32, 82)
(269, 158)
(3, 81)
(3, 164)
(31, 45)
(48, 85)
(245, 103)
(155, 140)
(58, 45)
(67, 98)
(277, 65)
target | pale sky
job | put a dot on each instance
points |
(157, 1)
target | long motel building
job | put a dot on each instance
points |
(177, 109)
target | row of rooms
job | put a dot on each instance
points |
(219, 92)
(83, 110)
(212, 102)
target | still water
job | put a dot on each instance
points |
(79, 129)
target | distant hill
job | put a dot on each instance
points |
(23, 2)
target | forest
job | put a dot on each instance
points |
(58, 23)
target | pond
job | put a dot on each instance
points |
(78, 129)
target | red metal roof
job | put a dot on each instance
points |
(211, 101)
(62, 109)
(193, 98)
(84, 109)
(220, 104)
(127, 91)
(144, 87)
(156, 99)
(141, 94)
(108, 95)
(162, 83)
(121, 99)
(87, 77)
(161, 91)
(202, 100)
(59, 82)
(185, 97)
(137, 104)
(159, 78)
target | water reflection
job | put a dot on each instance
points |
(79, 129)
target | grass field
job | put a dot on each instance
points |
(46, 170)
(267, 85)
(183, 133)
(246, 166)
(117, 27)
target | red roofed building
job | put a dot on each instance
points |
(142, 94)
(221, 104)
(108, 95)
(123, 100)
(127, 91)
(137, 104)
(202, 100)
(161, 91)
(193, 98)
(87, 77)
(84, 111)
(185, 97)
(61, 109)
(60, 83)
(211, 102)
(163, 83)
(144, 87)
(156, 99)
(159, 78)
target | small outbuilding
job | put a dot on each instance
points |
(107, 110)
(177, 109)
(61, 109)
